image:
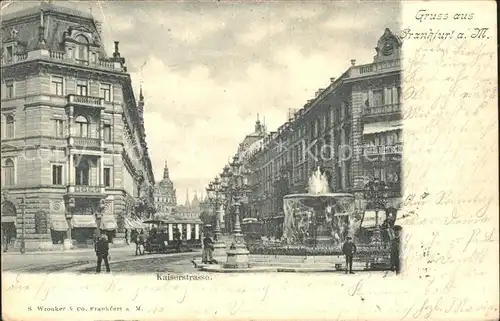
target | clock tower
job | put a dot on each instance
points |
(388, 47)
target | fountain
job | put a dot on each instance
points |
(319, 218)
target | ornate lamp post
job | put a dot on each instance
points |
(237, 256)
(215, 195)
(377, 194)
(22, 205)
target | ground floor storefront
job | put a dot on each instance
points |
(46, 220)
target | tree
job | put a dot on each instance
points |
(208, 218)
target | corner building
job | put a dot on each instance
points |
(351, 130)
(75, 162)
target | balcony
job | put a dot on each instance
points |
(86, 142)
(385, 110)
(85, 101)
(90, 191)
(383, 150)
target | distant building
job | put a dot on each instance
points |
(191, 209)
(73, 138)
(165, 194)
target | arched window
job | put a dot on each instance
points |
(82, 126)
(82, 173)
(82, 51)
(10, 174)
(9, 130)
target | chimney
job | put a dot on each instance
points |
(318, 92)
(117, 52)
(353, 62)
(332, 80)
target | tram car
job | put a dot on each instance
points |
(167, 236)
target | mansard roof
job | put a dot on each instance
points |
(58, 20)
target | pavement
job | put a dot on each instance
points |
(15, 261)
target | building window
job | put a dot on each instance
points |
(106, 92)
(9, 89)
(107, 133)
(82, 49)
(378, 98)
(56, 87)
(10, 128)
(58, 127)
(10, 174)
(9, 54)
(57, 171)
(82, 173)
(82, 126)
(81, 88)
(107, 177)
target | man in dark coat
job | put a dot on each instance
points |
(395, 244)
(349, 250)
(102, 252)
(208, 249)
(177, 239)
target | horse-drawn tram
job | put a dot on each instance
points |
(172, 234)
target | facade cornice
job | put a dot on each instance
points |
(33, 67)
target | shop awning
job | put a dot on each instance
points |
(108, 223)
(58, 223)
(87, 221)
(138, 223)
(127, 223)
(132, 223)
(380, 127)
(8, 219)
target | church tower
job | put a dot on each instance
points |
(165, 194)
(187, 204)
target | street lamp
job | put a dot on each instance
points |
(214, 192)
(22, 204)
(237, 256)
(215, 195)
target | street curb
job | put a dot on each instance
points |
(220, 269)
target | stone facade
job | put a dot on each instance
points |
(350, 130)
(73, 141)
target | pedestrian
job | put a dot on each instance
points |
(126, 237)
(102, 252)
(395, 245)
(177, 239)
(349, 250)
(208, 250)
(140, 243)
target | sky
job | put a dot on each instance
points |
(208, 68)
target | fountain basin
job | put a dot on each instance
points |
(320, 219)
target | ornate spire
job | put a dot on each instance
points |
(258, 126)
(165, 170)
(187, 198)
(41, 30)
(141, 96)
